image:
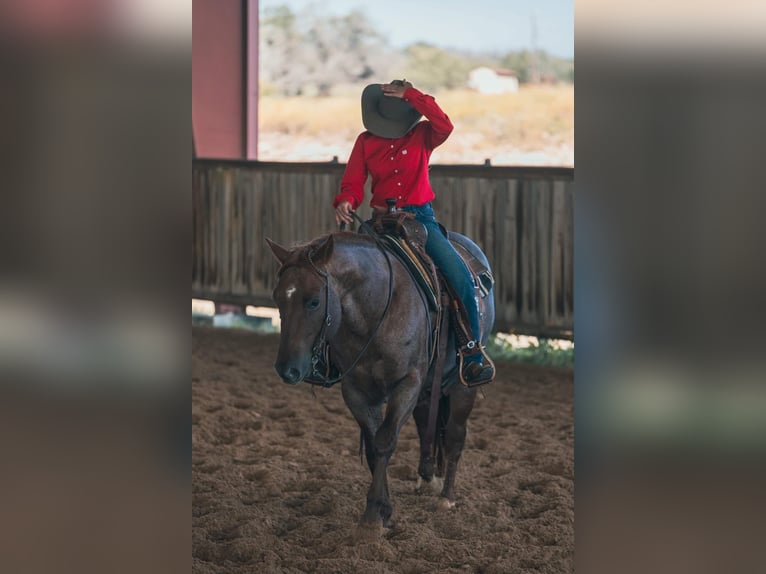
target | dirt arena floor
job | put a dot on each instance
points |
(278, 485)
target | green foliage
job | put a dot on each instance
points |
(543, 354)
(310, 53)
(307, 53)
(201, 320)
(234, 321)
(432, 68)
(538, 65)
(280, 17)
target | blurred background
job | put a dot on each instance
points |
(506, 81)
(94, 395)
(670, 401)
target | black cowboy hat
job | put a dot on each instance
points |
(387, 116)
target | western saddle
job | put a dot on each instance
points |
(406, 237)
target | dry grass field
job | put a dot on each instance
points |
(532, 127)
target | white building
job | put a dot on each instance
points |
(493, 80)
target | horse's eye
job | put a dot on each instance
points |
(313, 304)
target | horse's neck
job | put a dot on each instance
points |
(361, 275)
(357, 260)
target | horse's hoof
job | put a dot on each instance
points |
(366, 532)
(446, 504)
(389, 524)
(435, 484)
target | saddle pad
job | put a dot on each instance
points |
(410, 260)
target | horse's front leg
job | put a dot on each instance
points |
(368, 416)
(400, 406)
(461, 405)
(401, 402)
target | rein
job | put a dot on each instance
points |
(320, 344)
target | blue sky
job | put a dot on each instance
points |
(475, 25)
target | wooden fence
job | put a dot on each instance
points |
(521, 217)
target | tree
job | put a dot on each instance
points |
(281, 50)
(431, 67)
(312, 52)
(534, 66)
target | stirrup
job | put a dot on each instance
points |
(473, 348)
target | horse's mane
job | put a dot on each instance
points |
(300, 251)
(340, 237)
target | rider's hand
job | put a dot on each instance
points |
(395, 90)
(343, 212)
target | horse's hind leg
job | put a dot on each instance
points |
(461, 404)
(426, 464)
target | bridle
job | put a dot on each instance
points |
(319, 349)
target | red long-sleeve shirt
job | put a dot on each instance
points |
(399, 167)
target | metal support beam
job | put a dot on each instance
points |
(250, 10)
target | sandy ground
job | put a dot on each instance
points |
(278, 485)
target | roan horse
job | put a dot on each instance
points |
(344, 289)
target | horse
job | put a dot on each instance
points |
(343, 288)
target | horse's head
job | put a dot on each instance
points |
(301, 297)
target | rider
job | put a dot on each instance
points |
(395, 150)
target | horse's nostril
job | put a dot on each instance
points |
(289, 374)
(292, 375)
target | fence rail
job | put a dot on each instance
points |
(522, 217)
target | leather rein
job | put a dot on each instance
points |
(320, 344)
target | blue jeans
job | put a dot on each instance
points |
(449, 262)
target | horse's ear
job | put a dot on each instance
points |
(323, 251)
(279, 252)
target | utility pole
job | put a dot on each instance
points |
(534, 72)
